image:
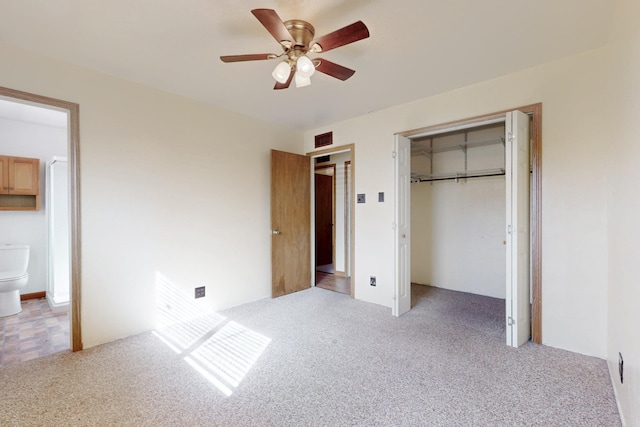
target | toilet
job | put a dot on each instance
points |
(13, 277)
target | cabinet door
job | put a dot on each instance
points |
(23, 176)
(4, 175)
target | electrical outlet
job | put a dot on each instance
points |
(621, 367)
(372, 281)
(200, 292)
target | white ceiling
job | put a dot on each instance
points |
(27, 112)
(417, 48)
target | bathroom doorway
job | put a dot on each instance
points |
(60, 168)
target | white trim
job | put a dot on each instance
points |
(458, 127)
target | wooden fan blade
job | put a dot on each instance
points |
(251, 57)
(349, 34)
(272, 22)
(286, 84)
(334, 70)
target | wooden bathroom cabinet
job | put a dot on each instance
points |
(19, 183)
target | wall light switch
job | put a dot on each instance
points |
(381, 197)
(361, 198)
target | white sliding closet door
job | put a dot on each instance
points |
(517, 183)
(402, 226)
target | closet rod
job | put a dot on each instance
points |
(449, 178)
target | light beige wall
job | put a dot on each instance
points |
(623, 149)
(169, 186)
(457, 235)
(574, 269)
(422, 230)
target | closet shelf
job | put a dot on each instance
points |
(426, 151)
(419, 177)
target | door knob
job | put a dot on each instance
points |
(275, 232)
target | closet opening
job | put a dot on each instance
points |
(467, 215)
(458, 210)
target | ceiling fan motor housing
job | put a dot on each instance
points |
(301, 31)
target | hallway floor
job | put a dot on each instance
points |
(333, 282)
(35, 332)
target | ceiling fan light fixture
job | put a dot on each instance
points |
(281, 72)
(305, 67)
(297, 39)
(302, 81)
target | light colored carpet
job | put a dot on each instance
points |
(330, 361)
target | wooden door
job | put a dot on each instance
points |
(290, 223)
(324, 219)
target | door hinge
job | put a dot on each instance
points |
(509, 229)
(510, 136)
(510, 321)
(394, 154)
(394, 226)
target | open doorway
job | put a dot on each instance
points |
(332, 221)
(70, 143)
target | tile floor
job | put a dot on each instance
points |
(35, 332)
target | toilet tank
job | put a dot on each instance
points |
(14, 257)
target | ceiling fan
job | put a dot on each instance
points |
(296, 38)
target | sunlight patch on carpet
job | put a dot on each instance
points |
(229, 354)
(222, 351)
